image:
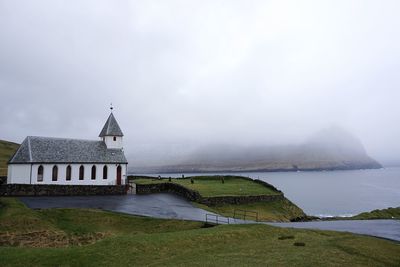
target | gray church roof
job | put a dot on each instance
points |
(61, 150)
(111, 128)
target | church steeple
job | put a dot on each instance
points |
(111, 133)
(111, 127)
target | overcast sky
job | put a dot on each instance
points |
(188, 73)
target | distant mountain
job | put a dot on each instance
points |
(7, 149)
(331, 149)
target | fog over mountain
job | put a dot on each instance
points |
(194, 78)
(329, 149)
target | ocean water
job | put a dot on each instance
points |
(334, 193)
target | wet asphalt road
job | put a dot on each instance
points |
(170, 206)
(162, 205)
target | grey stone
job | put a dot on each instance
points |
(60, 190)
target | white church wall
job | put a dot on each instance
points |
(19, 174)
(87, 180)
(109, 140)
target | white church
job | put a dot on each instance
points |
(47, 160)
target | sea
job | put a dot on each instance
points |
(331, 193)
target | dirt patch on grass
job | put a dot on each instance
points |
(41, 239)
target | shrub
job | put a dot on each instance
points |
(284, 237)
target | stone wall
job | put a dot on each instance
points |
(60, 190)
(215, 201)
(166, 187)
(193, 195)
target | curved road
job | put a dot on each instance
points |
(170, 206)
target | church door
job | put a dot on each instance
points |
(119, 169)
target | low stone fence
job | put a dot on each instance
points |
(193, 195)
(60, 190)
(167, 187)
(215, 201)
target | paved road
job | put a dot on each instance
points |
(155, 205)
(174, 207)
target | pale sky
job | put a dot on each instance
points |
(183, 74)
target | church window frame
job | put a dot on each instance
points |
(81, 173)
(93, 172)
(40, 173)
(68, 173)
(105, 172)
(54, 173)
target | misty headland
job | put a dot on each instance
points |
(329, 149)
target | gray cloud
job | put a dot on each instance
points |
(188, 73)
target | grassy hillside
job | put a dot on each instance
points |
(389, 213)
(21, 226)
(212, 186)
(275, 211)
(97, 238)
(7, 149)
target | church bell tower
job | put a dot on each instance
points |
(111, 133)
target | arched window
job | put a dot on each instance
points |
(68, 173)
(93, 172)
(40, 174)
(81, 172)
(115, 138)
(54, 175)
(105, 170)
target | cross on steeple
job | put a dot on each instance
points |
(111, 107)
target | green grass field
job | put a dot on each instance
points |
(20, 225)
(7, 149)
(111, 239)
(211, 186)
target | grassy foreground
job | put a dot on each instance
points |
(123, 240)
(7, 149)
(212, 186)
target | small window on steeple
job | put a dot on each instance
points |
(115, 138)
